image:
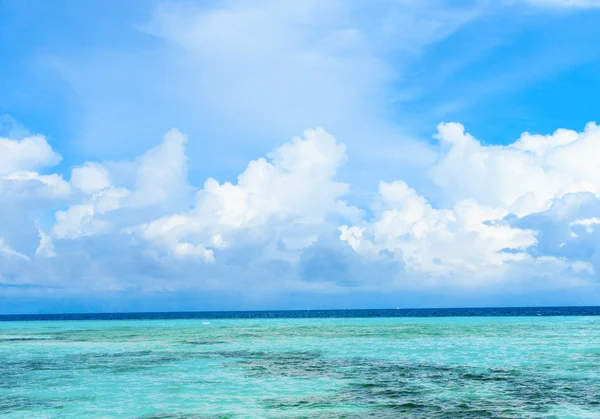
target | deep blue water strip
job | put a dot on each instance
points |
(318, 314)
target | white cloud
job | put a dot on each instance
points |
(522, 177)
(588, 223)
(161, 172)
(23, 185)
(28, 154)
(160, 175)
(439, 242)
(483, 227)
(19, 162)
(8, 251)
(90, 178)
(77, 221)
(288, 197)
(25, 192)
(480, 186)
(46, 247)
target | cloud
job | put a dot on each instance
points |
(30, 153)
(26, 194)
(520, 216)
(159, 179)
(522, 177)
(286, 198)
(90, 178)
(5, 249)
(482, 188)
(161, 173)
(20, 162)
(567, 230)
(32, 185)
(46, 246)
(468, 239)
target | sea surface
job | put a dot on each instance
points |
(467, 363)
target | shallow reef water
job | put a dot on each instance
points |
(302, 367)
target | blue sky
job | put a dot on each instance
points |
(274, 154)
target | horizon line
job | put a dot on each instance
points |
(393, 309)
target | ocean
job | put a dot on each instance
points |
(446, 363)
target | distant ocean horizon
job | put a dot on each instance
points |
(316, 313)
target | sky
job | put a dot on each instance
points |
(275, 154)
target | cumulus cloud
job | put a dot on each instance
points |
(161, 172)
(287, 198)
(467, 239)
(159, 175)
(46, 246)
(26, 193)
(32, 185)
(481, 187)
(30, 153)
(90, 178)
(257, 227)
(521, 213)
(20, 163)
(522, 177)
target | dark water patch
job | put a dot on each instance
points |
(274, 356)
(291, 364)
(13, 372)
(422, 389)
(364, 414)
(12, 403)
(125, 362)
(307, 402)
(186, 416)
(18, 340)
(108, 336)
(492, 392)
(23, 403)
(204, 342)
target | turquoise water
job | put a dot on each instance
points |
(512, 367)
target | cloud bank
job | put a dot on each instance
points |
(522, 216)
